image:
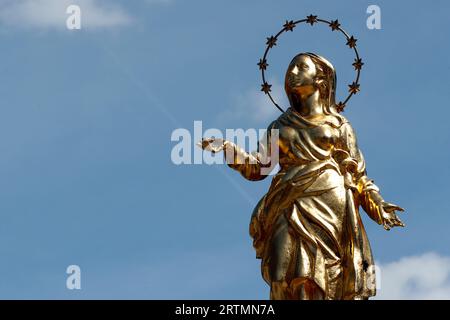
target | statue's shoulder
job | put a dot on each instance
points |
(344, 122)
(277, 123)
(285, 117)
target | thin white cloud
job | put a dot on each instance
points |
(424, 276)
(255, 106)
(51, 14)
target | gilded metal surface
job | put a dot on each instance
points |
(307, 229)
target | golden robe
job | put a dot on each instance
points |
(307, 229)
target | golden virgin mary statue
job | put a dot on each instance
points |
(307, 229)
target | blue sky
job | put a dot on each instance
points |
(86, 118)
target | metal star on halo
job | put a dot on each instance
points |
(271, 41)
(351, 42)
(263, 64)
(311, 19)
(289, 25)
(340, 107)
(266, 88)
(334, 25)
(353, 88)
(358, 64)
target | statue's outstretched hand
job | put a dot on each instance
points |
(390, 219)
(212, 144)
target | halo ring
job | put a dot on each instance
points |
(311, 19)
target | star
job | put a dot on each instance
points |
(289, 25)
(272, 41)
(358, 64)
(351, 42)
(340, 107)
(334, 25)
(354, 88)
(311, 19)
(266, 88)
(263, 64)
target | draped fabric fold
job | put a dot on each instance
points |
(307, 229)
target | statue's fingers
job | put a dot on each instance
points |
(208, 144)
(219, 140)
(389, 207)
(391, 222)
(202, 144)
(216, 149)
(400, 209)
(398, 222)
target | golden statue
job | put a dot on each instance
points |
(307, 229)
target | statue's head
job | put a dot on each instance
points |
(307, 74)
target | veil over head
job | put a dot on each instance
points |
(326, 81)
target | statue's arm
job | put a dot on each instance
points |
(369, 198)
(253, 166)
(249, 165)
(366, 192)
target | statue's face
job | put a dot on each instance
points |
(301, 74)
